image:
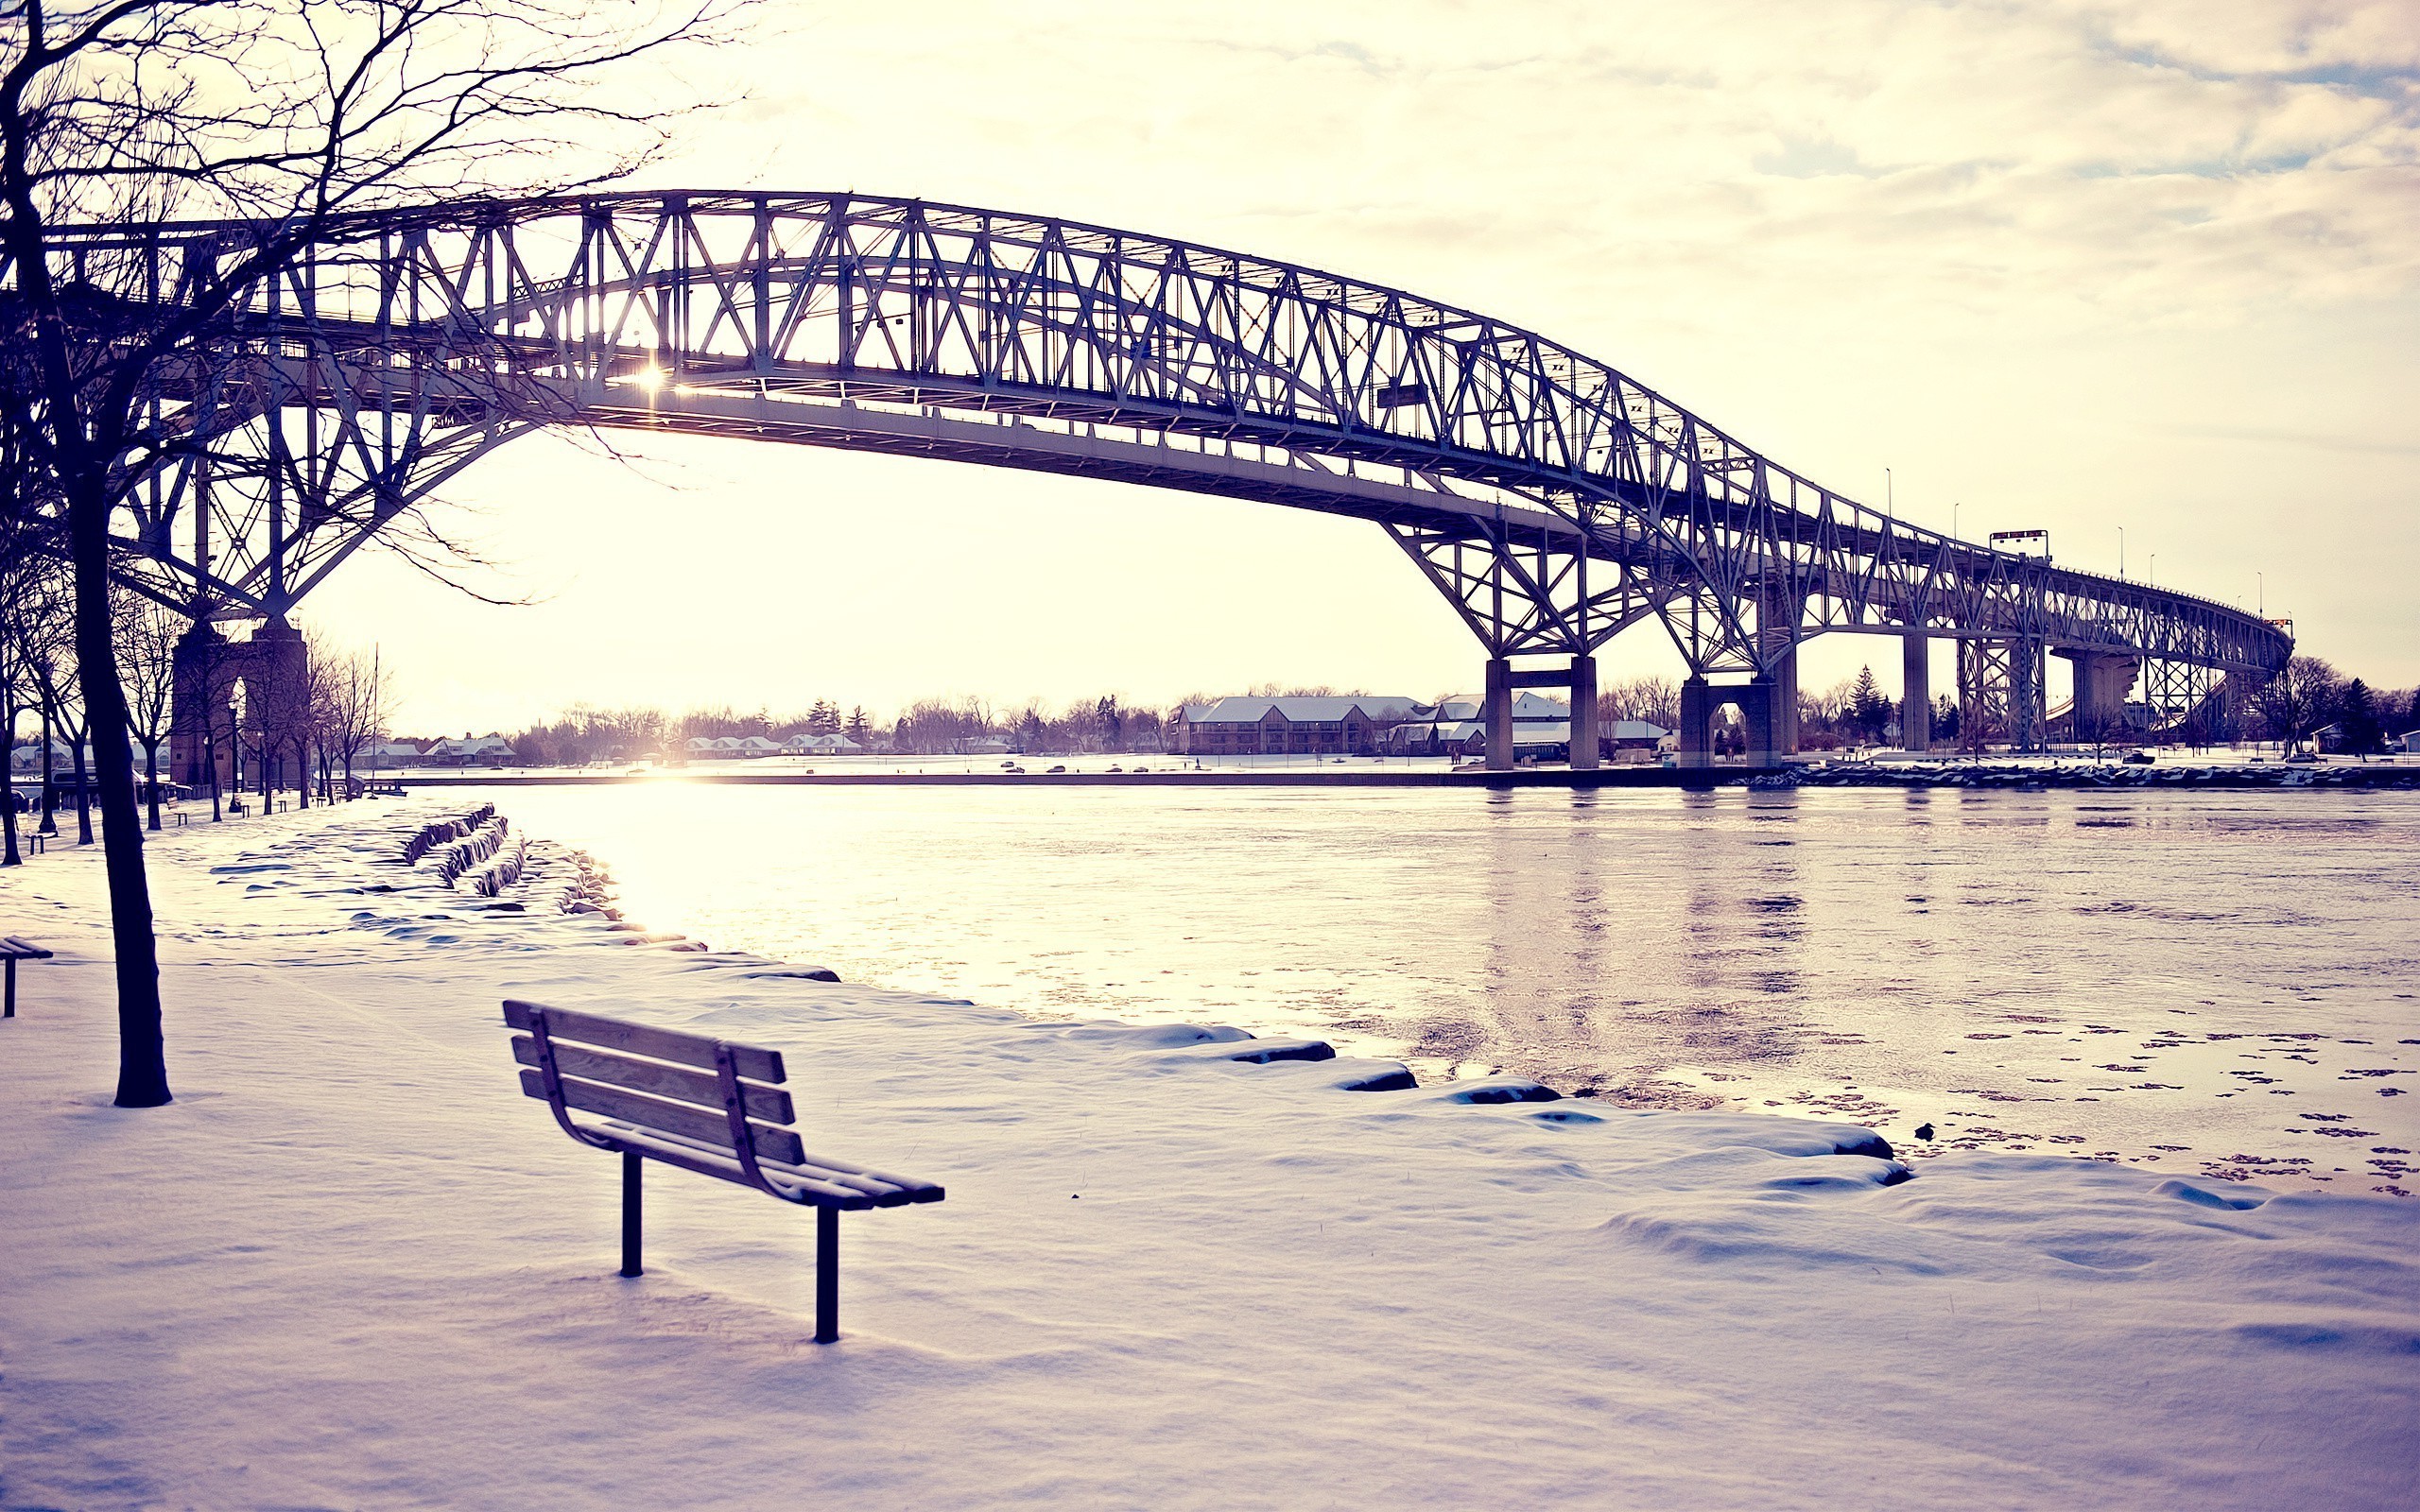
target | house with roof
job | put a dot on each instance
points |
(482, 751)
(383, 753)
(1348, 726)
(831, 744)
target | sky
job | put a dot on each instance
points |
(2084, 267)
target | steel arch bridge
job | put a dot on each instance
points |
(1554, 501)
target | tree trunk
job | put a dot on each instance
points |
(301, 776)
(151, 776)
(83, 782)
(142, 1063)
(209, 756)
(49, 772)
(11, 857)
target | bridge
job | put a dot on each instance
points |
(1554, 501)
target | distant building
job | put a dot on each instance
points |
(1350, 726)
(393, 753)
(731, 747)
(471, 750)
(833, 744)
(2410, 741)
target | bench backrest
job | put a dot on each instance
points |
(15, 949)
(661, 1079)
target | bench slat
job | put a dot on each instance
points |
(645, 1040)
(24, 950)
(690, 1156)
(816, 1171)
(770, 1104)
(673, 1118)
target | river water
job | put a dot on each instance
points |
(2209, 982)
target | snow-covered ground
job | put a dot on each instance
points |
(351, 1267)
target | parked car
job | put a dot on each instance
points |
(2138, 757)
(2303, 758)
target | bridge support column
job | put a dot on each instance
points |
(1697, 724)
(1915, 693)
(1583, 713)
(1760, 721)
(196, 663)
(2102, 681)
(2028, 709)
(1785, 676)
(1499, 715)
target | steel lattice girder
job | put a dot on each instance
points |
(432, 334)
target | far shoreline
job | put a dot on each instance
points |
(2094, 776)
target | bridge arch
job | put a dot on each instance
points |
(1552, 500)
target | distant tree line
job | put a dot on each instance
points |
(2310, 696)
(931, 727)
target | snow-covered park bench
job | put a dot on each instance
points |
(13, 950)
(703, 1105)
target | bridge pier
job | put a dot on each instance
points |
(1915, 691)
(1580, 732)
(1697, 724)
(2102, 681)
(207, 668)
(1784, 678)
(1582, 729)
(1761, 719)
(1499, 714)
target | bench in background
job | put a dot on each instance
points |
(13, 950)
(702, 1105)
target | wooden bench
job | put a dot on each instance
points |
(13, 950)
(703, 1105)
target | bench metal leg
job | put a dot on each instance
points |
(827, 1275)
(630, 1164)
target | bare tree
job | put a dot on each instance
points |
(285, 116)
(355, 689)
(2300, 699)
(43, 629)
(146, 637)
(1652, 700)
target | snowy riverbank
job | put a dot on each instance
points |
(352, 1267)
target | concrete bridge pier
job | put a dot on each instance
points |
(1760, 705)
(198, 663)
(1784, 703)
(1761, 711)
(2103, 679)
(208, 668)
(1915, 691)
(1499, 714)
(1578, 680)
(1583, 730)
(1697, 724)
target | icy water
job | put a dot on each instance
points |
(2197, 981)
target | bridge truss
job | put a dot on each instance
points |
(1554, 501)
